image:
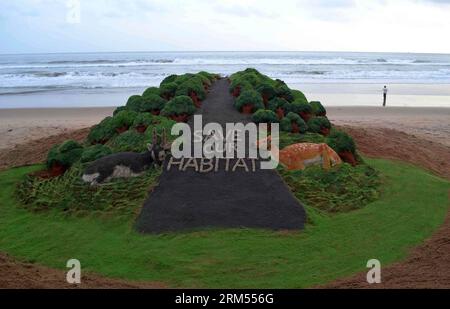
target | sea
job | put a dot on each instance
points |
(106, 79)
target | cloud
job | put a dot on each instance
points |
(117, 25)
(241, 10)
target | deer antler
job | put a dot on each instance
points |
(165, 144)
(155, 137)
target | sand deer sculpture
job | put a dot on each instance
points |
(127, 164)
(299, 156)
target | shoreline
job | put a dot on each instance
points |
(330, 94)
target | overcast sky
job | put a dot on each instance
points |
(31, 26)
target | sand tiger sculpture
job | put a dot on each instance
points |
(299, 156)
(127, 164)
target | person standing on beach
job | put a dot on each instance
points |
(385, 91)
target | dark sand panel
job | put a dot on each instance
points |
(190, 200)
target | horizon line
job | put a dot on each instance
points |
(219, 51)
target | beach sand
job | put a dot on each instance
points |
(18, 126)
(431, 123)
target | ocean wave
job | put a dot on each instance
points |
(87, 64)
(102, 61)
(218, 61)
(304, 72)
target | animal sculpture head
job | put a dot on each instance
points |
(159, 151)
(334, 158)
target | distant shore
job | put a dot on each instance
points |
(18, 126)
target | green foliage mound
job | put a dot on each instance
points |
(168, 90)
(152, 103)
(300, 107)
(264, 116)
(318, 109)
(95, 152)
(293, 122)
(318, 124)
(266, 90)
(284, 92)
(180, 105)
(102, 132)
(70, 195)
(341, 142)
(129, 141)
(119, 109)
(251, 98)
(123, 120)
(143, 119)
(134, 103)
(277, 103)
(343, 188)
(65, 154)
(211, 77)
(299, 96)
(190, 87)
(151, 91)
(168, 79)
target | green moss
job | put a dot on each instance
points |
(65, 154)
(95, 152)
(249, 97)
(264, 116)
(286, 123)
(179, 105)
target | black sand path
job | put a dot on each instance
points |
(190, 200)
